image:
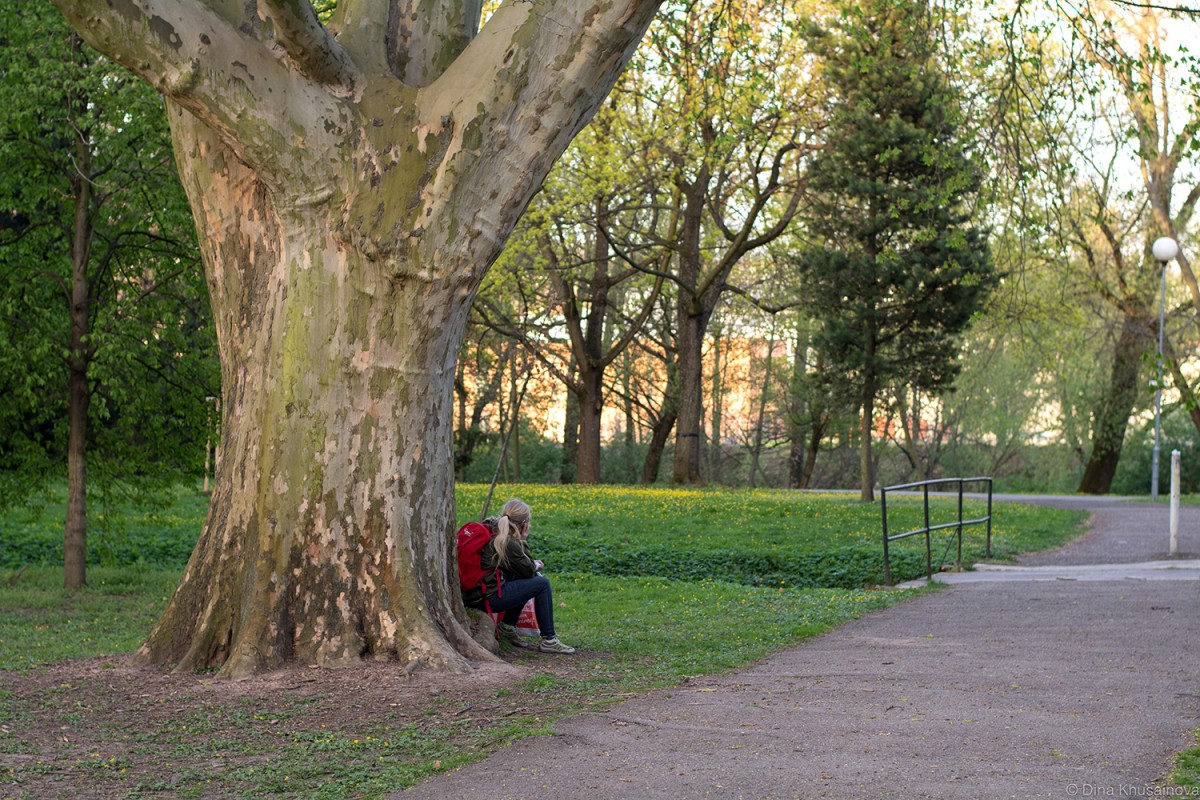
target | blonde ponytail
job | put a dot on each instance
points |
(514, 518)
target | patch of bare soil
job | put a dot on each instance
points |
(102, 728)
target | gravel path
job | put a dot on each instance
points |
(1000, 689)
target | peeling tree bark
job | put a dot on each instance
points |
(351, 186)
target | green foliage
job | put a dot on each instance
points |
(83, 132)
(540, 459)
(1178, 433)
(1186, 773)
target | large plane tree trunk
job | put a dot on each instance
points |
(328, 481)
(351, 186)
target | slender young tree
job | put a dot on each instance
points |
(105, 335)
(351, 183)
(897, 268)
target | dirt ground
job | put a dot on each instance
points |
(70, 723)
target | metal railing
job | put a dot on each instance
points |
(929, 529)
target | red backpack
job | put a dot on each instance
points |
(472, 538)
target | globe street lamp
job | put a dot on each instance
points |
(1165, 249)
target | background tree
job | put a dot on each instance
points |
(896, 269)
(1098, 171)
(106, 343)
(722, 103)
(1129, 48)
(483, 362)
(562, 262)
(351, 185)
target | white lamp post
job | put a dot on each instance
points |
(1165, 249)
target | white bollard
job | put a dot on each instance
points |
(1174, 502)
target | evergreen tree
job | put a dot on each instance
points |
(896, 267)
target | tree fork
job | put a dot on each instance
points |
(347, 216)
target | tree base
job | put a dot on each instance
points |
(483, 630)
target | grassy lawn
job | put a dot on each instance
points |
(653, 585)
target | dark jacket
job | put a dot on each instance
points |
(519, 565)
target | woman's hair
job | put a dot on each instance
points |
(514, 517)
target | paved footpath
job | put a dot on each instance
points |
(1018, 688)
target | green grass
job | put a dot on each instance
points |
(759, 537)
(161, 535)
(643, 577)
(756, 537)
(42, 623)
(1186, 773)
(662, 630)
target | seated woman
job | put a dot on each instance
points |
(519, 579)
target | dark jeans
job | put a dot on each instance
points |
(516, 592)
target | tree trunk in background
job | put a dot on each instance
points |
(797, 410)
(760, 416)
(660, 432)
(659, 435)
(78, 390)
(691, 401)
(570, 458)
(512, 457)
(810, 458)
(866, 464)
(692, 318)
(718, 406)
(591, 406)
(1112, 415)
(631, 437)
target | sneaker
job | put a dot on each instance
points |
(553, 645)
(508, 633)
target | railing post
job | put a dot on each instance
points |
(989, 520)
(928, 538)
(958, 559)
(887, 566)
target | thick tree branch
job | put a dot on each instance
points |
(426, 36)
(266, 113)
(298, 31)
(512, 101)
